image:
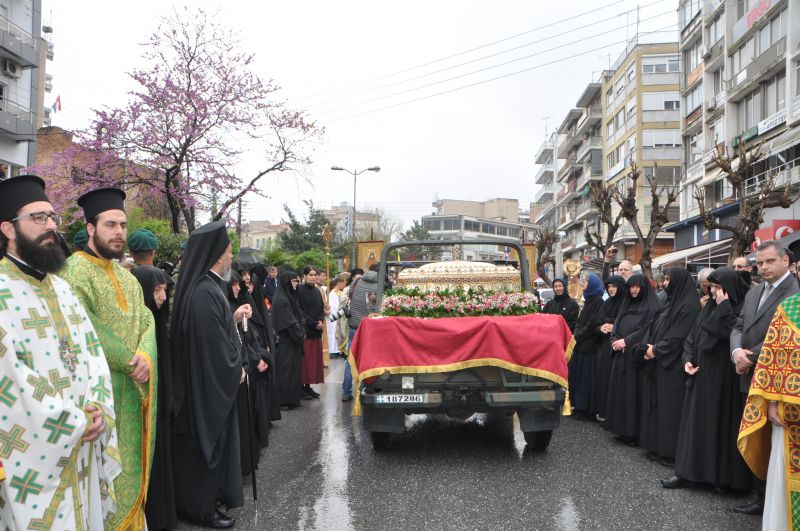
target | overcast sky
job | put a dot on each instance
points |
(472, 143)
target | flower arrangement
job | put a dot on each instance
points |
(459, 303)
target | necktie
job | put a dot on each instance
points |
(764, 296)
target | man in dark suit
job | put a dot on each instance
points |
(752, 324)
(271, 283)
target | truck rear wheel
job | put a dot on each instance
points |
(538, 440)
(380, 440)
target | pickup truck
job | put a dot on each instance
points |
(386, 399)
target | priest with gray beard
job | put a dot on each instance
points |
(207, 372)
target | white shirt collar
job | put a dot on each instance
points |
(778, 282)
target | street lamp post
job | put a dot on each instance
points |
(355, 174)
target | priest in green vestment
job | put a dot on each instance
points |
(126, 330)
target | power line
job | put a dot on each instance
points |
(370, 80)
(515, 48)
(535, 67)
(434, 83)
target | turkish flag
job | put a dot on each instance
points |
(784, 227)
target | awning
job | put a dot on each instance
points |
(698, 253)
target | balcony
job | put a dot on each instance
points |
(694, 76)
(776, 179)
(544, 174)
(570, 142)
(661, 116)
(567, 194)
(545, 194)
(593, 171)
(587, 146)
(760, 66)
(545, 153)
(585, 210)
(16, 120)
(567, 169)
(661, 78)
(662, 153)
(589, 119)
(17, 45)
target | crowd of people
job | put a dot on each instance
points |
(132, 397)
(669, 366)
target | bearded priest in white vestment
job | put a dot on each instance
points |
(58, 442)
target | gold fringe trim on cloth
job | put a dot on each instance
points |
(135, 520)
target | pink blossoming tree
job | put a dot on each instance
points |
(197, 106)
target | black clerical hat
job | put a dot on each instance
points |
(16, 192)
(100, 200)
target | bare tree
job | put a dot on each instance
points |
(763, 193)
(545, 238)
(381, 225)
(602, 198)
(662, 196)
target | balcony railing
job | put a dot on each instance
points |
(776, 178)
(542, 154)
(24, 36)
(589, 144)
(18, 111)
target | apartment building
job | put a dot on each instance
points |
(339, 215)
(496, 219)
(580, 154)
(261, 235)
(543, 208)
(20, 42)
(740, 82)
(641, 124)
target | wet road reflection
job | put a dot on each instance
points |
(320, 472)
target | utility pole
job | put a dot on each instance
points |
(239, 221)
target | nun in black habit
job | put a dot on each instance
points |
(660, 353)
(623, 408)
(582, 365)
(249, 447)
(208, 371)
(264, 386)
(562, 304)
(289, 326)
(617, 290)
(160, 507)
(712, 407)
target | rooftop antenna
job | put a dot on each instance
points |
(545, 125)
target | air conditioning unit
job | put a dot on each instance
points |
(11, 69)
(705, 53)
(711, 105)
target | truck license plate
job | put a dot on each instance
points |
(400, 399)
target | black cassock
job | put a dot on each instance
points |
(206, 453)
(608, 314)
(160, 507)
(582, 365)
(566, 307)
(712, 408)
(288, 324)
(623, 406)
(664, 376)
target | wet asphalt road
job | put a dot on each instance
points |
(320, 472)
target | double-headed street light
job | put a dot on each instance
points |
(355, 173)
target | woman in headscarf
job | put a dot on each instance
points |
(562, 304)
(160, 509)
(287, 320)
(582, 365)
(617, 290)
(623, 409)
(712, 407)
(660, 353)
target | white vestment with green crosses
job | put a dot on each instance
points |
(51, 367)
